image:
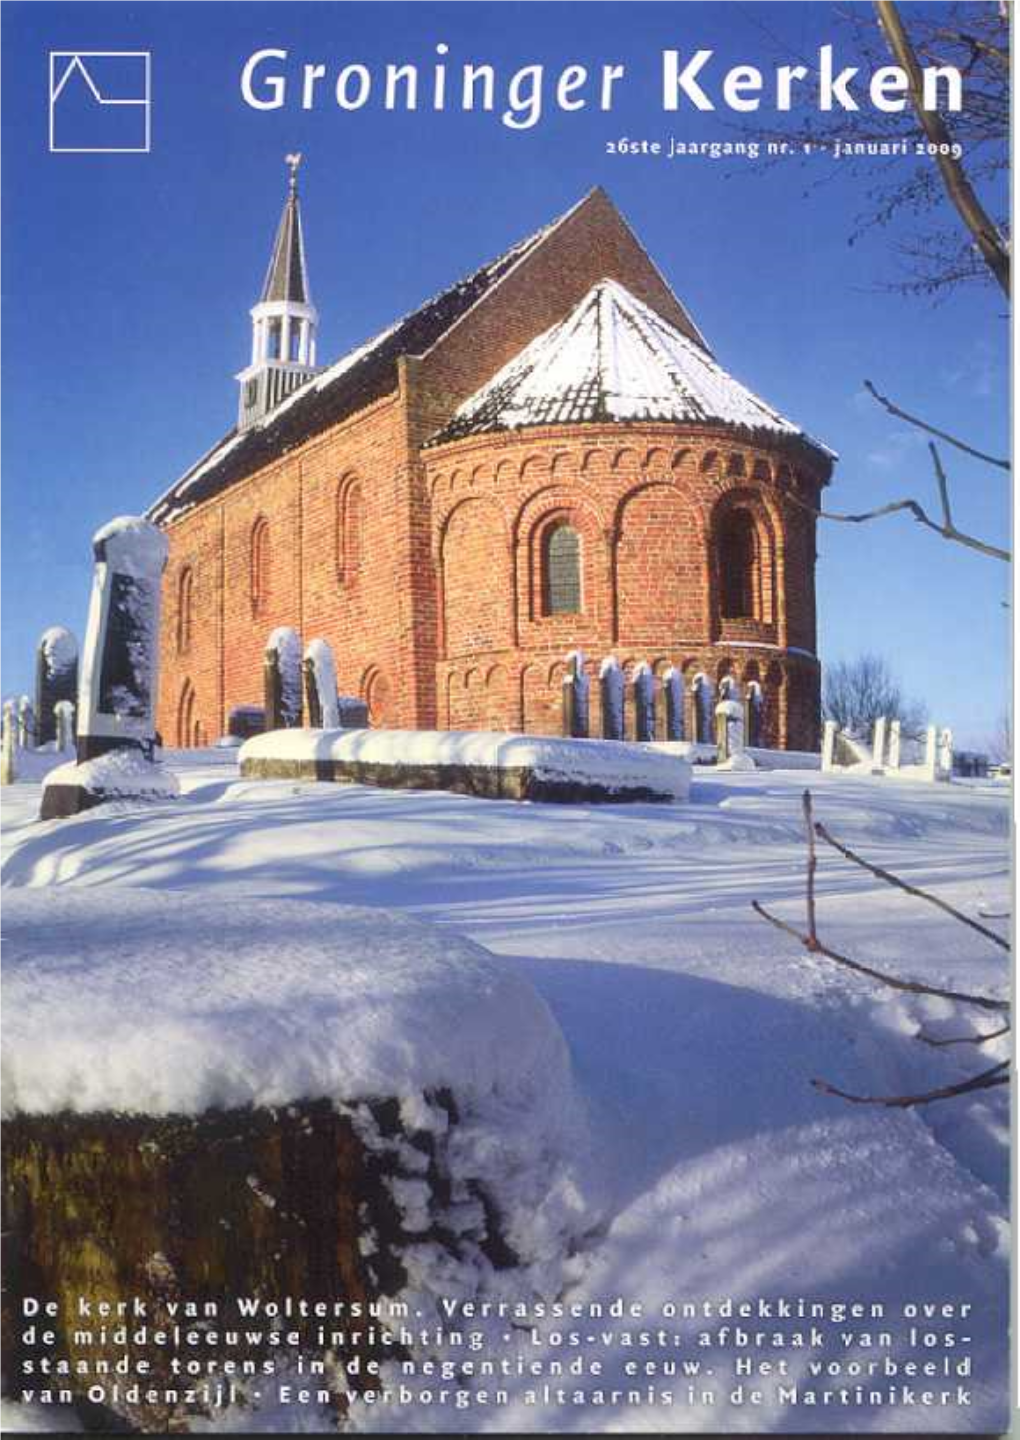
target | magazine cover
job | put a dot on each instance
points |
(506, 735)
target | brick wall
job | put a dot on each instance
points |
(422, 567)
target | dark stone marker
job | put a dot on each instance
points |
(244, 721)
(56, 678)
(673, 691)
(120, 664)
(282, 673)
(575, 698)
(611, 686)
(643, 694)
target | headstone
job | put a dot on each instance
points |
(895, 744)
(9, 745)
(63, 715)
(283, 679)
(701, 691)
(244, 721)
(353, 712)
(752, 713)
(611, 685)
(643, 693)
(829, 745)
(575, 697)
(945, 754)
(56, 678)
(320, 686)
(119, 677)
(878, 744)
(26, 724)
(729, 729)
(673, 697)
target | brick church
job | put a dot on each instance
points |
(545, 457)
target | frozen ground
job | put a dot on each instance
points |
(694, 1030)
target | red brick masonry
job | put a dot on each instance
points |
(421, 566)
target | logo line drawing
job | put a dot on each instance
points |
(65, 64)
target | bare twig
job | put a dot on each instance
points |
(949, 532)
(997, 1075)
(912, 987)
(964, 1039)
(890, 879)
(812, 866)
(954, 440)
(987, 237)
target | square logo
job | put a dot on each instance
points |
(100, 102)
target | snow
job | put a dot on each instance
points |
(614, 358)
(611, 764)
(320, 654)
(34, 1419)
(694, 1029)
(119, 774)
(59, 648)
(134, 546)
(370, 1004)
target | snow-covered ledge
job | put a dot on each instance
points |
(491, 764)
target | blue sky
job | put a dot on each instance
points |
(128, 278)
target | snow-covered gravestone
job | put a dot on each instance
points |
(63, 716)
(575, 697)
(701, 704)
(673, 695)
(945, 755)
(26, 723)
(283, 679)
(320, 687)
(643, 691)
(878, 743)
(56, 677)
(119, 677)
(752, 713)
(9, 745)
(611, 685)
(829, 745)
(729, 727)
(895, 744)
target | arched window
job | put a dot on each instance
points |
(561, 570)
(349, 530)
(738, 566)
(186, 717)
(185, 595)
(260, 563)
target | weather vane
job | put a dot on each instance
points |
(293, 161)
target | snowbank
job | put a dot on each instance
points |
(118, 775)
(487, 763)
(170, 1003)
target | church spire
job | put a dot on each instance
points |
(284, 321)
(287, 276)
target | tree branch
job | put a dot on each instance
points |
(812, 866)
(890, 879)
(997, 1075)
(986, 234)
(912, 987)
(948, 532)
(895, 410)
(964, 1039)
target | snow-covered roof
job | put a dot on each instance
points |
(363, 375)
(615, 359)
